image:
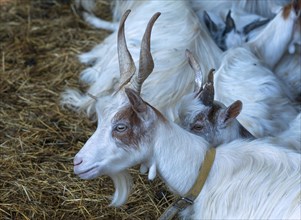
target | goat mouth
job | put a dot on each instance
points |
(88, 174)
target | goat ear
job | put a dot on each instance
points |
(231, 112)
(138, 105)
(230, 24)
(253, 25)
(212, 27)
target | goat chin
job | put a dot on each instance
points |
(123, 184)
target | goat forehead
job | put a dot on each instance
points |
(190, 106)
(213, 113)
(110, 105)
(209, 113)
(126, 114)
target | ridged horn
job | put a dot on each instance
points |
(206, 95)
(126, 63)
(198, 76)
(146, 62)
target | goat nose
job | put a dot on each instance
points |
(77, 161)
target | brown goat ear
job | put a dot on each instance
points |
(138, 105)
(231, 112)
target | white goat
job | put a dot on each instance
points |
(243, 76)
(279, 35)
(233, 29)
(268, 43)
(288, 71)
(288, 68)
(267, 108)
(177, 29)
(207, 118)
(248, 180)
(235, 26)
(291, 137)
(216, 123)
(255, 7)
(259, 7)
(279, 50)
(258, 117)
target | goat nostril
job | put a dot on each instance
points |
(77, 161)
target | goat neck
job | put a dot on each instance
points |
(177, 156)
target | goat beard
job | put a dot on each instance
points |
(123, 184)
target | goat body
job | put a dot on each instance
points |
(288, 70)
(259, 7)
(267, 108)
(249, 179)
(274, 40)
(234, 28)
(181, 30)
(291, 138)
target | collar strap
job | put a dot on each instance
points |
(183, 202)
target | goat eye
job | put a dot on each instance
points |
(121, 127)
(197, 127)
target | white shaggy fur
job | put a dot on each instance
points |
(274, 40)
(176, 30)
(259, 7)
(123, 185)
(268, 42)
(288, 71)
(291, 137)
(241, 31)
(267, 109)
(249, 179)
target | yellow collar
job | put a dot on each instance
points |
(187, 200)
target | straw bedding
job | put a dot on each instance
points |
(39, 44)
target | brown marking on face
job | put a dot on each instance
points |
(213, 113)
(136, 129)
(208, 117)
(294, 5)
(200, 122)
(286, 11)
(131, 137)
(200, 117)
(203, 126)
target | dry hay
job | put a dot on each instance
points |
(39, 44)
